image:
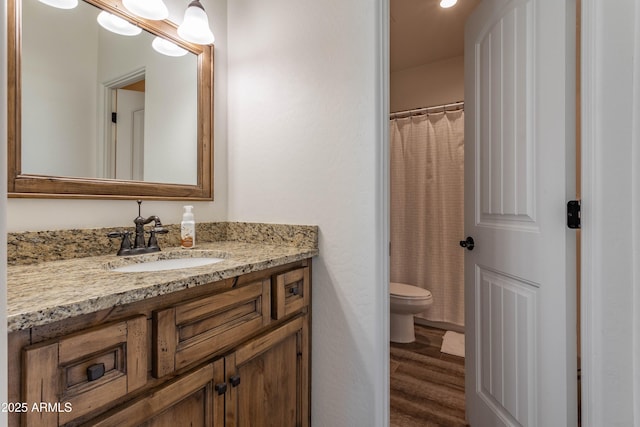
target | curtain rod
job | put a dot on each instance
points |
(454, 106)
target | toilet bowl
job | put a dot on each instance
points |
(406, 301)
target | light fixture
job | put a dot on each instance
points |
(447, 3)
(166, 47)
(195, 25)
(61, 4)
(117, 25)
(148, 9)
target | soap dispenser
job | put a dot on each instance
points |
(188, 228)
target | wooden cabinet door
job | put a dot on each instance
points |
(190, 400)
(268, 379)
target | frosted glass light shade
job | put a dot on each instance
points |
(148, 9)
(195, 25)
(117, 25)
(61, 4)
(166, 47)
(447, 3)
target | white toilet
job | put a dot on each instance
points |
(406, 301)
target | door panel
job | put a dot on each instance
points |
(129, 133)
(519, 168)
(505, 195)
(505, 310)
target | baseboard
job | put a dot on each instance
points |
(440, 325)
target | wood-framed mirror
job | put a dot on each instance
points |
(65, 140)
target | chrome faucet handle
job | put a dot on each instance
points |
(125, 245)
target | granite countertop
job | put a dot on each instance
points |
(47, 292)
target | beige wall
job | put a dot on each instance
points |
(427, 85)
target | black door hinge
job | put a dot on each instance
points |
(573, 214)
(114, 117)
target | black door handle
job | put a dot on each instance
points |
(468, 243)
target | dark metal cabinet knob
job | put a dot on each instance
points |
(468, 243)
(221, 388)
(234, 380)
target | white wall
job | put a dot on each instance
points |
(52, 214)
(435, 83)
(176, 146)
(306, 99)
(611, 213)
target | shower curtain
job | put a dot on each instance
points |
(427, 196)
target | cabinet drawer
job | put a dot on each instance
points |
(189, 332)
(79, 373)
(290, 292)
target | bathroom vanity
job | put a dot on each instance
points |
(224, 344)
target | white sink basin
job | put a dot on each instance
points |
(166, 264)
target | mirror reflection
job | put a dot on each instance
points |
(96, 104)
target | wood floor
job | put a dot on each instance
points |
(427, 386)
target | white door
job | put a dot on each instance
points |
(519, 174)
(129, 134)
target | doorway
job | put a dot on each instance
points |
(500, 282)
(127, 132)
(122, 121)
(427, 78)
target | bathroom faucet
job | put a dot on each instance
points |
(139, 246)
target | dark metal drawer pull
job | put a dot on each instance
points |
(95, 372)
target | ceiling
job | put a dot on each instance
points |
(422, 32)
